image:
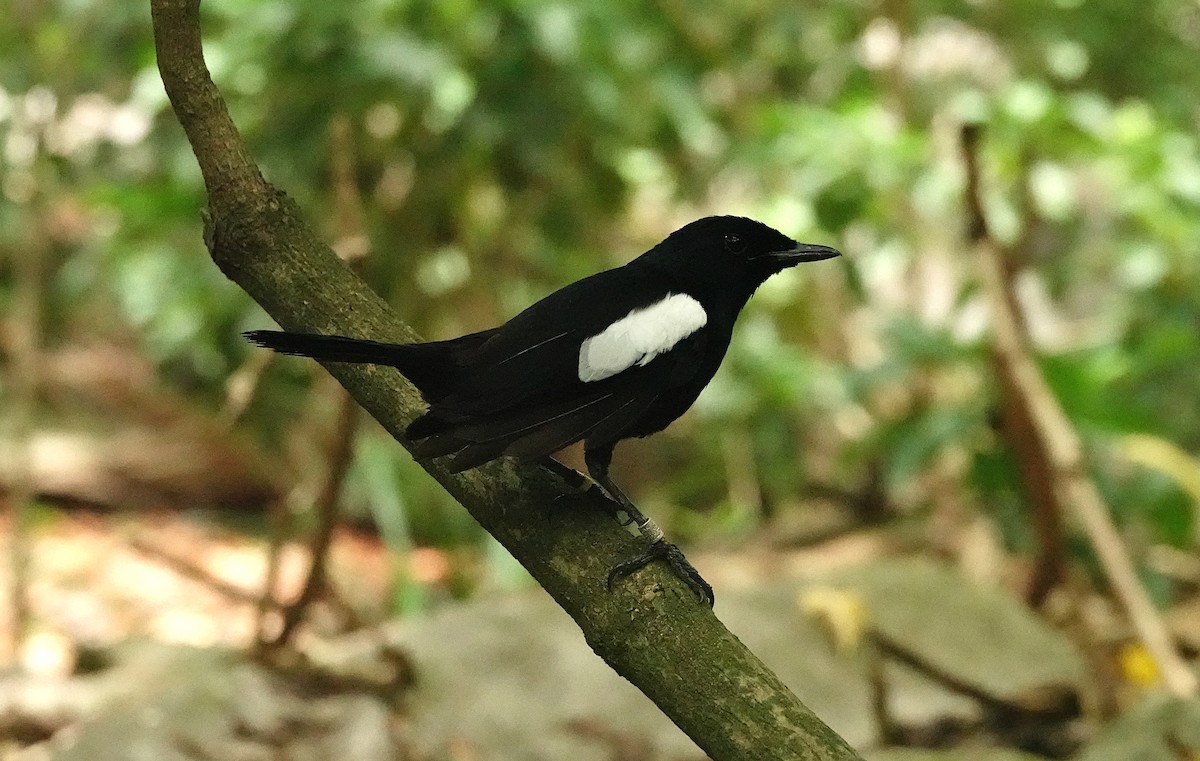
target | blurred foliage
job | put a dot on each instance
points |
(506, 148)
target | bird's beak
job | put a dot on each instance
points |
(803, 252)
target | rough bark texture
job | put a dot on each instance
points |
(651, 630)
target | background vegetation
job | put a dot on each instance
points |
(503, 149)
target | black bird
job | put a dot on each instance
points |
(619, 354)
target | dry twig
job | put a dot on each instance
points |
(27, 263)
(326, 508)
(1064, 461)
(196, 572)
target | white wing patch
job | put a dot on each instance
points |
(640, 336)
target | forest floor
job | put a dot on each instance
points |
(143, 633)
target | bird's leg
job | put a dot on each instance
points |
(597, 461)
(574, 478)
(584, 484)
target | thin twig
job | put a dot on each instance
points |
(27, 263)
(326, 508)
(1064, 452)
(1017, 417)
(242, 385)
(279, 523)
(197, 572)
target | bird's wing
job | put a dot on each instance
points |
(622, 405)
(589, 361)
(537, 354)
(534, 431)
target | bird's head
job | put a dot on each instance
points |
(735, 253)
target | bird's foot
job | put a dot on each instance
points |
(664, 550)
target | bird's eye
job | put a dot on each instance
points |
(734, 244)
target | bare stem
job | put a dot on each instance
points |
(1065, 462)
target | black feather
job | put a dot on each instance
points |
(434, 368)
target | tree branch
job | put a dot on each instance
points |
(1065, 463)
(651, 630)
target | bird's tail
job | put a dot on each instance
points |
(436, 368)
(332, 348)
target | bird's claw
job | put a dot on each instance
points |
(664, 550)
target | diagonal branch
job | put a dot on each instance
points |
(651, 630)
